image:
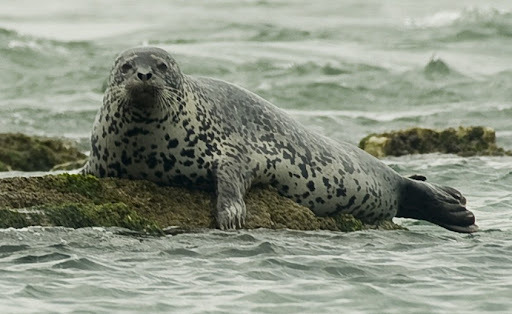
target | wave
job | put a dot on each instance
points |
(263, 32)
(467, 16)
(469, 24)
(380, 116)
(405, 113)
(12, 41)
(6, 32)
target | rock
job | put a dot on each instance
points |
(34, 153)
(3, 167)
(436, 68)
(83, 201)
(463, 141)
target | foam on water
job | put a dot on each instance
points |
(467, 16)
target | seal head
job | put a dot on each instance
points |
(145, 77)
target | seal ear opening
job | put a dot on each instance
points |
(442, 205)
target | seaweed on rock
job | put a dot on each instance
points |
(463, 141)
(35, 153)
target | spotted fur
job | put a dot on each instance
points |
(177, 129)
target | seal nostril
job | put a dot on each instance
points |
(144, 77)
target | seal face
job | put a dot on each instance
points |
(159, 124)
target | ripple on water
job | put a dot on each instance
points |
(180, 252)
(283, 264)
(82, 264)
(347, 271)
(8, 249)
(34, 259)
(34, 291)
(264, 275)
(265, 248)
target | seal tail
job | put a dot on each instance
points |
(442, 205)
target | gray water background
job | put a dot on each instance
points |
(343, 68)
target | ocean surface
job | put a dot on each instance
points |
(343, 68)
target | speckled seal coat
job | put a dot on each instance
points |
(159, 124)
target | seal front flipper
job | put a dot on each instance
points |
(231, 186)
(442, 205)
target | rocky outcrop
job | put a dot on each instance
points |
(463, 141)
(34, 153)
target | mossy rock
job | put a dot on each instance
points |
(463, 141)
(34, 153)
(84, 201)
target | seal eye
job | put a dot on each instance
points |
(126, 67)
(162, 67)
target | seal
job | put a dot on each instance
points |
(159, 124)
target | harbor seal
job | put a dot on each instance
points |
(159, 124)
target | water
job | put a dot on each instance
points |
(345, 69)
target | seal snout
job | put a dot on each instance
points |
(144, 84)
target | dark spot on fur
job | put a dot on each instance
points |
(320, 200)
(187, 153)
(136, 131)
(173, 143)
(341, 192)
(125, 159)
(151, 161)
(102, 171)
(365, 198)
(303, 171)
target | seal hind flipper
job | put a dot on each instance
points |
(442, 205)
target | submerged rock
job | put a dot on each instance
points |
(463, 141)
(83, 201)
(436, 68)
(34, 153)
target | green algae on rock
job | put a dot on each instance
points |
(463, 141)
(35, 153)
(3, 167)
(76, 215)
(84, 201)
